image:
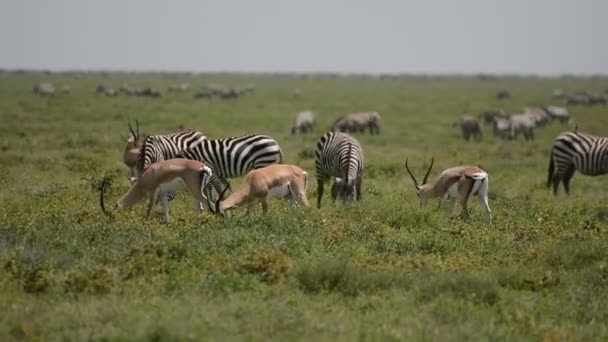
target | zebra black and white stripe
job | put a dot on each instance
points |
(163, 147)
(339, 155)
(574, 151)
(235, 156)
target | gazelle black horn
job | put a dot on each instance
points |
(411, 174)
(429, 171)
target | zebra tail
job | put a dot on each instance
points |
(280, 155)
(551, 169)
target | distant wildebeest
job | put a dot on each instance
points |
(358, 122)
(577, 100)
(538, 115)
(503, 95)
(501, 127)
(203, 94)
(149, 92)
(246, 89)
(558, 113)
(304, 122)
(44, 89)
(470, 128)
(595, 99)
(522, 123)
(110, 92)
(126, 90)
(229, 93)
(558, 94)
(489, 115)
(179, 88)
(101, 88)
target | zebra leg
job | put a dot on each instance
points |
(568, 178)
(319, 193)
(358, 188)
(557, 177)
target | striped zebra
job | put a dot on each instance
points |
(235, 156)
(340, 156)
(576, 151)
(163, 147)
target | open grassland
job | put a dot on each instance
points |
(379, 269)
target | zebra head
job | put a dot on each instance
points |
(422, 190)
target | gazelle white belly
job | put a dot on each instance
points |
(278, 191)
(478, 179)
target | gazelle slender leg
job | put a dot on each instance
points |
(150, 204)
(483, 199)
(250, 206)
(264, 206)
(465, 208)
(198, 206)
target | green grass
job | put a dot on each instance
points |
(380, 269)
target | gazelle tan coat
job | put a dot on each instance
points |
(164, 176)
(456, 183)
(260, 185)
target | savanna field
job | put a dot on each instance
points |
(380, 269)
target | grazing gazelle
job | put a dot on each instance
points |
(458, 182)
(132, 149)
(260, 185)
(162, 177)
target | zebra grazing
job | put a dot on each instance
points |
(163, 147)
(235, 156)
(576, 151)
(340, 156)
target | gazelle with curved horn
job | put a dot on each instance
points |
(455, 183)
(260, 185)
(132, 149)
(160, 178)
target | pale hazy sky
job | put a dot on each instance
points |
(426, 36)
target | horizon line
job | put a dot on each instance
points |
(304, 73)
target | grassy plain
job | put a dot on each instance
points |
(382, 269)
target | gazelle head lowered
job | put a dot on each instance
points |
(424, 190)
